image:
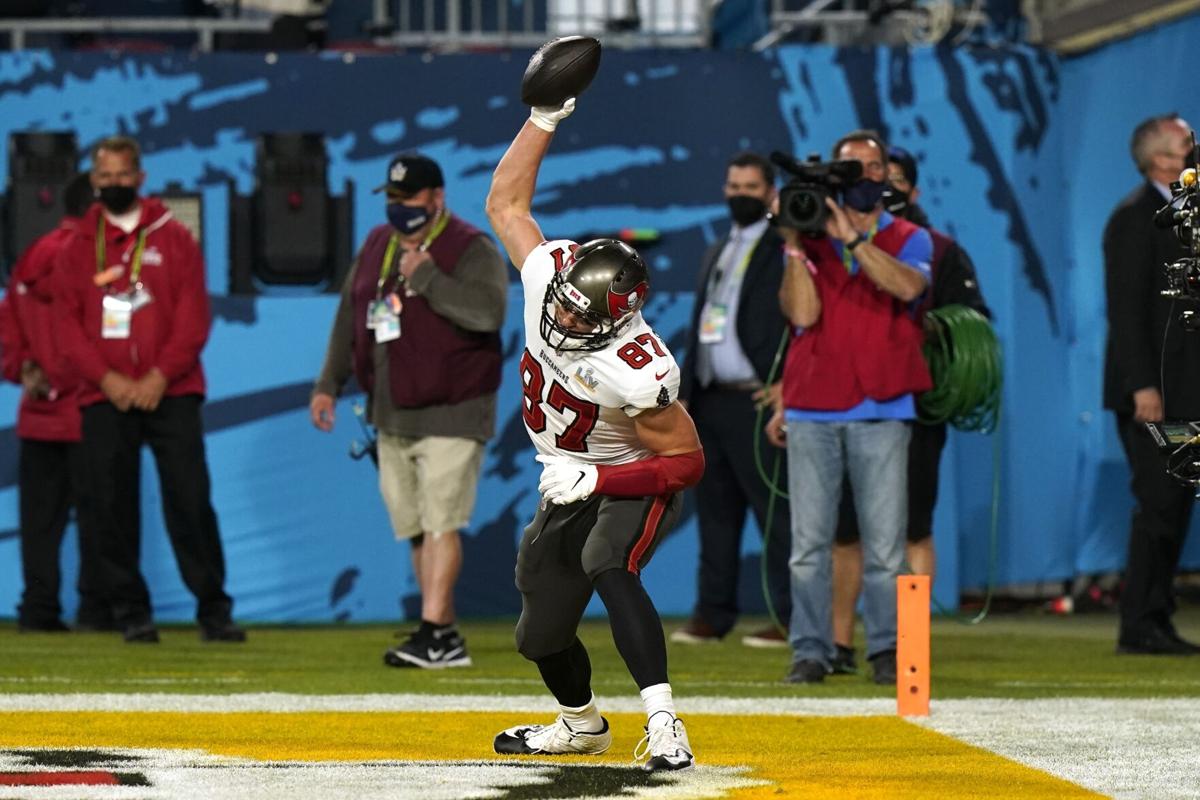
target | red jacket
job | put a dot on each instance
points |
(866, 342)
(167, 333)
(28, 333)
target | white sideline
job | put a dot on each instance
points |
(536, 703)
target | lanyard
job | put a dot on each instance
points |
(135, 267)
(848, 256)
(389, 255)
(739, 271)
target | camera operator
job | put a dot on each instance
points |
(418, 327)
(852, 367)
(1146, 341)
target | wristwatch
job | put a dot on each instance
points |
(855, 242)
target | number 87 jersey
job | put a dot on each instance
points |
(582, 403)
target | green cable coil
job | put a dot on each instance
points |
(964, 359)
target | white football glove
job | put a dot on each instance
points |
(548, 117)
(565, 481)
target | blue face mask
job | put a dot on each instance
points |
(864, 194)
(407, 219)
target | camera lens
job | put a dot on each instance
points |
(803, 206)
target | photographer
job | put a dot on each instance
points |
(1146, 341)
(852, 367)
(417, 327)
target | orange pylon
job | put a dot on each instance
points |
(912, 645)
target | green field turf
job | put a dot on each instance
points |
(1013, 656)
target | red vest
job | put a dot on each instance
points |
(866, 342)
(434, 362)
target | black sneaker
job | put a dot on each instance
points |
(806, 671)
(225, 632)
(883, 668)
(843, 661)
(438, 649)
(141, 633)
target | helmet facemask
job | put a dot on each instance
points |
(604, 284)
(559, 294)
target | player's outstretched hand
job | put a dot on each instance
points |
(565, 481)
(548, 117)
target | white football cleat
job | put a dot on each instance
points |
(552, 740)
(667, 747)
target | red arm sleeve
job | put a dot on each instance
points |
(651, 476)
(191, 317)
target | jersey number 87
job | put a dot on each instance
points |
(533, 387)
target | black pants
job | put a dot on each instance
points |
(51, 480)
(726, 421)
(1160, 525)
(113, 443)
(565, 550)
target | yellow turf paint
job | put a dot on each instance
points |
(809, 757)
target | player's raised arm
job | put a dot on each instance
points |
(510, 200)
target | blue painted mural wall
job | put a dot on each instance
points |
(306, 534)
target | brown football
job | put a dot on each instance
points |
(561, 68)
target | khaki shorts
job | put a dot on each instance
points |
(428, 483)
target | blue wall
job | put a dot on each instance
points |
(306, 535)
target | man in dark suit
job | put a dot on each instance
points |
(1146, 341)
(736, 329)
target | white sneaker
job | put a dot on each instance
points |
(552, 740)
(667, 747)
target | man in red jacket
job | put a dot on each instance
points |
(50, 475)
(134, 318)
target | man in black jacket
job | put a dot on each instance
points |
(736, 329)
(1150, 374)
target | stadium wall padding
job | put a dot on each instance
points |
(1004, 137)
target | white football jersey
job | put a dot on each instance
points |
(581, 404)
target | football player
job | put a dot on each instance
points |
(616, 447)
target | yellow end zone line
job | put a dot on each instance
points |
(818, 757)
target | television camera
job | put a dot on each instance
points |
(802, 200)
(1183, 214)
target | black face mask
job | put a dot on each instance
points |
(117, 199)
(746, 210)
(895, 201)
(407, 219)
(863, 195)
